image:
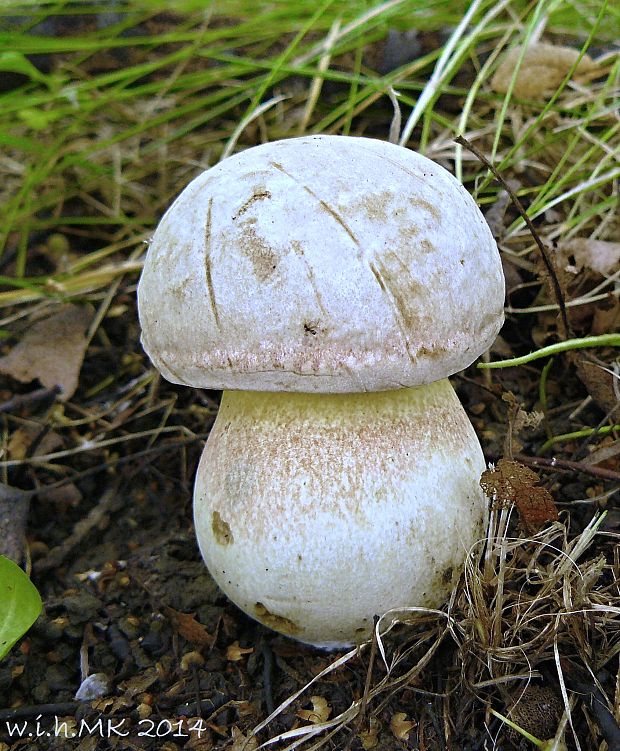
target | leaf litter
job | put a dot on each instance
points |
(52, 350)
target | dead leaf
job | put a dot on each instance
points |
(501, 483)
(401, 727)
(14, 505)
(598, 381)
(320, 711)
(608, 449)
(132, 687)
(243, 742)
(525, 420)
(102, 705)
(594, 255)
(518, 420)
(88, 743)
(198, 741)
(247, 709)
(189, 628)
(512, 482)
(66, 727)
(543, 68)
(606, 316)
(234, 652)
(18, 444)
(52, 350)
(370, 737)
(536, 506)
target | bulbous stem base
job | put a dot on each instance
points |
(314, 512)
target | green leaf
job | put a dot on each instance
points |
(20, 604)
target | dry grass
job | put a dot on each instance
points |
(526, 606)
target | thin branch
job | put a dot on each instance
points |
(586, 469)
(557, 290)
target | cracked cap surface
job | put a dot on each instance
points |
(320, 264)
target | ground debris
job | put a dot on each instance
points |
(512, 482)
(543, 68)
(52, 350)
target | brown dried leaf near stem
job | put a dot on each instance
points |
(320, 711)
(512, 482)
(401, 727)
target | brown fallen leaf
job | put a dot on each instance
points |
(608, 449)
(138, 684)
(52, 350)
(190, 659)
(189, 628)
(543, 68)
(200, 738)
(320, 711)
(21, 440)
(606, 316)
(401, 727)
(370, 737)
(501, 484)
(512, 482)
(242, 742)
(518, 420)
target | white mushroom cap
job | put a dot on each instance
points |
(320, 264)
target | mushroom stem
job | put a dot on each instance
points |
(314, 512)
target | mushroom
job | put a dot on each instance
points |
(328, 285)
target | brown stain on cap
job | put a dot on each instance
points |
(274, 621)
(263, 257)
(377, 206)
(421, 203)
(221, 530)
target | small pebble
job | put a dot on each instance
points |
(94, 686)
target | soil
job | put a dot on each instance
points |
(132, 615)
